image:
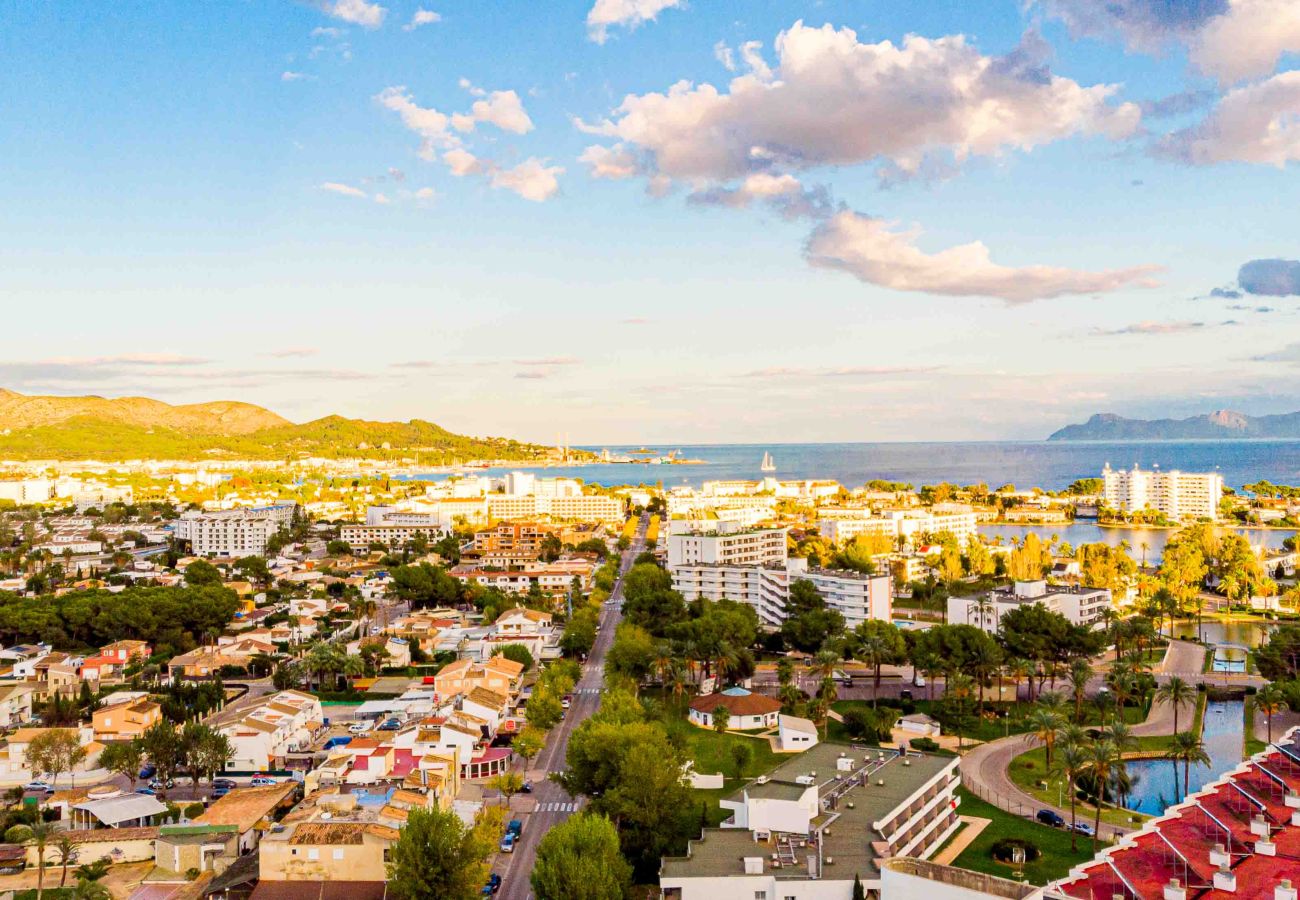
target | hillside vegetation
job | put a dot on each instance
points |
(140, 428)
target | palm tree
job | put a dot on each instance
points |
(67, 855)
(1044, 724)
(1071, 762)
(1176, 692)
(1080, 674)
(1145, 548)
(1269, 700)
(663, 660)
(1124, 741)
(1101, 757)
(39, 834)
(90, 890)
(1019, 669)
(1109, 618)
(1188, 747)
(958, 686)
(825, 662)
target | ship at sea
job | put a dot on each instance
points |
(768, 465)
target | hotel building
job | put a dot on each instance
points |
(1182, 496)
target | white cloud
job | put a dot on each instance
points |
(382, 199)
(503, 109)
(428, 123)
(426, 195)
(292, 76)
(327, 31)
(875, 252)
(292, 352)
(358, 12)
(1230, 40)
(461, 162)
(722, 53)
(833, 100)
(346, 190)
(129, 359)
(1258, 123)
(614, 163)
(624, 13)
(532, 179)
(422, 17)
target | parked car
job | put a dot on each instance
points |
(338, 741)
(390, 725)
(1048, 817)
(904, 694)
(527, 788)
(38, 786)
(148, 771)
(146, 790)
(508, 843)
(157, 784)
(263, 781)
(219, 791)
(1083, 828)
(361, 727)
(493, 884)
(516, 827)
(565, 701)
(223, 782)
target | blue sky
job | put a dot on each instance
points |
(504, 218)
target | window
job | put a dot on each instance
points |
(338, 853)
(313, 853)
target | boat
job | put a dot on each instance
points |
(768, 465)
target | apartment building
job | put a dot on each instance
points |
(1181, 496)
(1080, 605)
(517, 538)
(857, 596)
(581, 508)
(361, 537)
(911, 525)
(353, 853)
(282, 723)
(27, 490)
(723, 543)
(817, 822)
(234, 532)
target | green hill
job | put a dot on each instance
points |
(138, 428)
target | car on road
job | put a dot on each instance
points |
(516, 827)
(1048, 817)
(158, 784)
(219, 791)
(223, 782)
(493, 884)
(566, 701)
(1083, 828)
(904, 694)
(508, 843)
(390, 725)
(148, 771)
(526, 787)
(41, 786)
(146, 790)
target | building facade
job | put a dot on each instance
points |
(1182, 496)
(234, 532)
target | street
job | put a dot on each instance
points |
(552, 804)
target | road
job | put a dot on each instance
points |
(550, 803)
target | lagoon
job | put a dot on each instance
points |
(1154, 787)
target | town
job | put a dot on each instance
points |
(231, 682)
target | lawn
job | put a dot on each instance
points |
(711, 751)
(1029, 768)
(1057, 858)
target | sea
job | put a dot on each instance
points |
(1027, 464)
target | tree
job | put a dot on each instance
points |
(1080, 674)
(437, 856)
(543, 709)
(809, 622)
(67, 855)
(877, 644)
(1269, 700)
(1177, 693)
(649, 599)
(580, 859)
(1044, 724)
(88, 889)
(1071, 762)
(632, 653)
(200, 573)
(529, 742)
(124, 758)
(1187, 747)
(254, 568)
(507, 785)
(1279, 659)
(55, 751)
(859, 892)
(162, 745)
(516, 653)
(38, 835)
(741, 756)
(1101, 757)
(721, 719)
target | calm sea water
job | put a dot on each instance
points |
(1051, 466)
(1086, 532)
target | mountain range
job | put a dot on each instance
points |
(99, 428)
(1222, 425)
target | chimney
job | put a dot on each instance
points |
(1220, 857)
(753, 865)
(1292, 800)
(1265, 847)
(1175, 891)
(1225, 880)
(1284, 891)
(1259, 827)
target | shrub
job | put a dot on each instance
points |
(928, 745)
(1003, 847)
(193, 811)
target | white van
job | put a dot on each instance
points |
(362, 727)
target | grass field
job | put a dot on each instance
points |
(1057, 856)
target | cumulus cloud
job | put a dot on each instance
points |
(877, 252)
(358, 12)
(614, 163)
(783, 193)
(723, 54)
(1179, 104)
(1230, 40)
(461, 162)
(1257, 123)
(346, 190)
(532, 179)
(422, 17)
(1270, 277)
(605, 14)
(503, 109)
(833, 100)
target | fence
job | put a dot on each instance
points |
(1017, 807)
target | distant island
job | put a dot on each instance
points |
(1220, 425)
(112, 430)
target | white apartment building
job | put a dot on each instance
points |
(816, 822)
(1081, 605)
(282, 723)
(856, 596)
(579, 508)
(392, 527)
(910, 524)
(233, 532)
(723, 543)
(27, 490)
(1181, 496)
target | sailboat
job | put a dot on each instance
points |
(768, 465)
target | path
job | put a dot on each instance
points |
(971, 828)
(551, 805)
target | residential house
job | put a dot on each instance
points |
(202, 662)
(15, 705)
(497, 674)
(283, 723)
(326, 851)
(249, 810)
(201, 848)
(124, 716)
(398, 651)
(13, 754)
(108, 806)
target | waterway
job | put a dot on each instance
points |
(1154, 786)
(1077, 532)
